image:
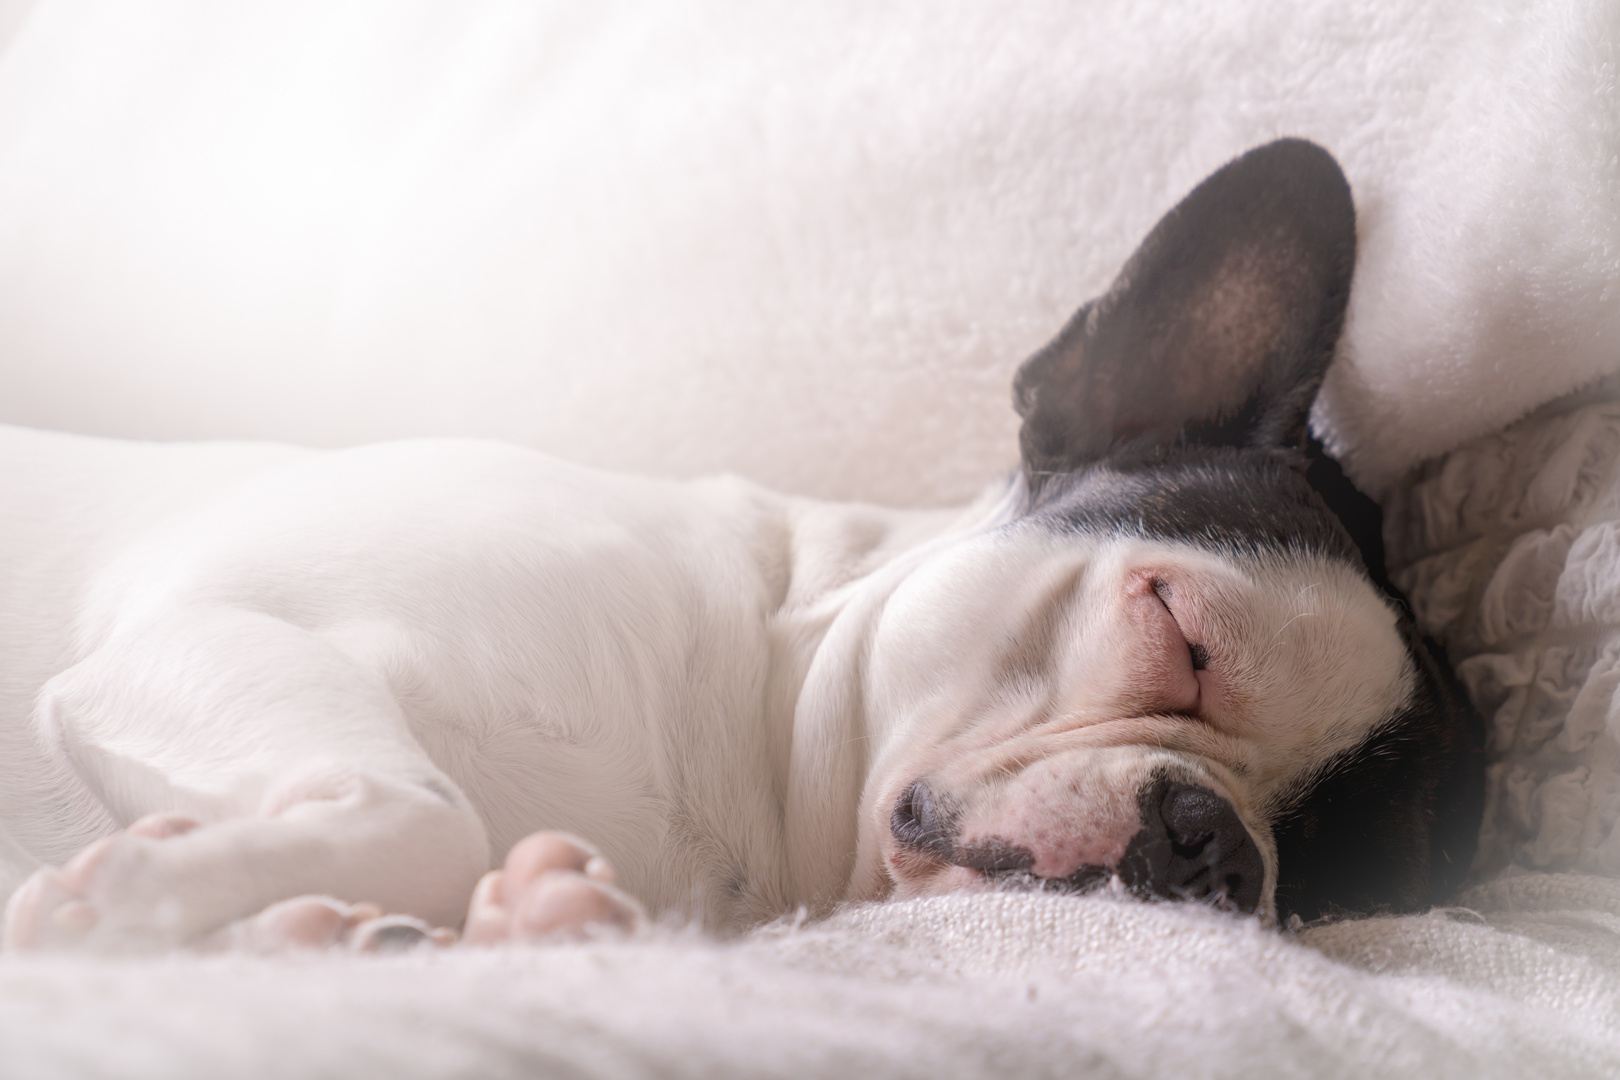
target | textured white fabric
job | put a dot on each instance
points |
(806, 242)
(1510, 551)
(1522, 982)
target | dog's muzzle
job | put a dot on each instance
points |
(1191, 846)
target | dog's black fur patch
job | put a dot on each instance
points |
(1242, 500)
(1390, 825)
(1176, 407)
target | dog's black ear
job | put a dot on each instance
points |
(1219, 328)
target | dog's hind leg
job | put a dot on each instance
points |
(280, 765)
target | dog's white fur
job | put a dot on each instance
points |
(369, 672)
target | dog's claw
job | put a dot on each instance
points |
(600, 870)
(396, 933)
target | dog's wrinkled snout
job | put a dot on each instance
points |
(1193, 846)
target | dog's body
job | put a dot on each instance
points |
(511, 640)
(1156, 654)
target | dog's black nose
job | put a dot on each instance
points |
(1193, 846)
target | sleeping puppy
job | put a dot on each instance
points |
(239, 679)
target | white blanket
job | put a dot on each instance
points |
(1523, 982)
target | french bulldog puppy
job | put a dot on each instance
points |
(264, 695)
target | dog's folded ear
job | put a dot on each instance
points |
(1219, 328)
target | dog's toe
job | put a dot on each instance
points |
(552, 885)
(323, 922)
(162, 826)
(304, 922)
(53, 909)
(544, 852)
(564, 903)
(56, 908)
(46, 913)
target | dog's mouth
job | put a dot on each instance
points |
(1189, 844)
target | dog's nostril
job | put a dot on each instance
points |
(919, 823)
(1191, 816)
(1193, 846)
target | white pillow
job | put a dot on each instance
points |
(809, 242)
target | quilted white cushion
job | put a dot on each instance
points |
(1510, 550)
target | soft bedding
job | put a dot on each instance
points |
(633, 237)
(1521, 981)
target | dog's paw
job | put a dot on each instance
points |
(552, 886)
(323, 922)
(63, 908)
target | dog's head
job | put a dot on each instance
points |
(1180, 663)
